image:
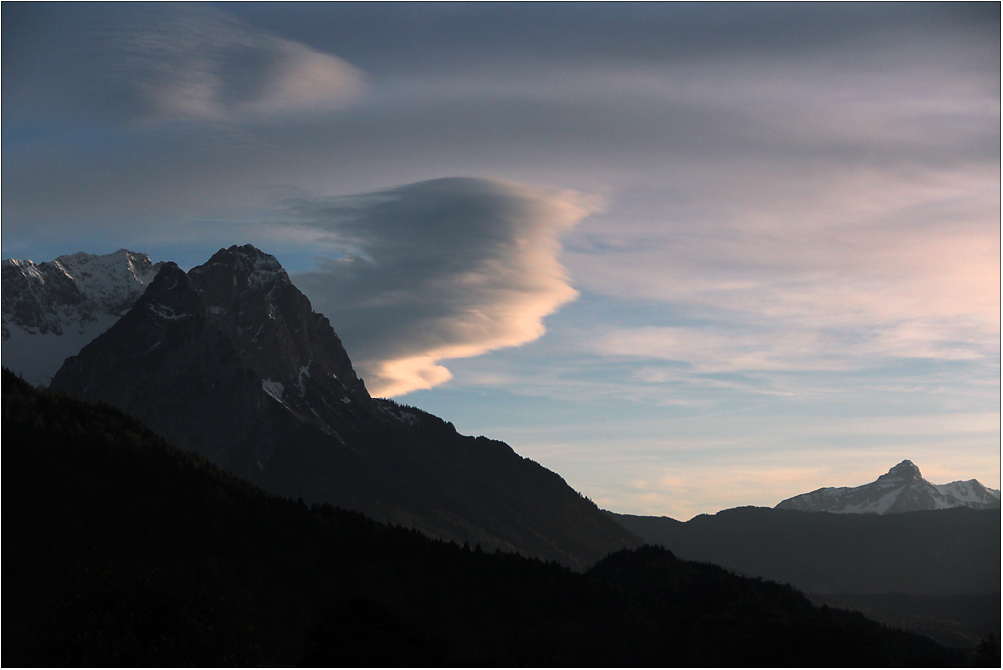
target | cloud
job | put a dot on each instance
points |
(834, 188)
(867, 232)
(715, 350)
(486, 38)
(702, 463)
(155, 63)
(836, 274)
(442, 269)
(661, 117)
(801, 204)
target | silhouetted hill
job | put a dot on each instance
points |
(936, 573)
(955, 621)
(120, 549)
(947, 552)
(229, 360)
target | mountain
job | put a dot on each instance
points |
(938, 552)
(123, 550)
(230, 361)
(936, 572)
(901, 489)
(51, 310)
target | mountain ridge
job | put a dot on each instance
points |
(933, 572)
(931, 552)
(901, 489)
(52, 309)
(229, 360)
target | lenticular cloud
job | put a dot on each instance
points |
(151, 63)
(442, 269)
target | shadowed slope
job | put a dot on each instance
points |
(938, 552)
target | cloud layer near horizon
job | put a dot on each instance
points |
(450, 268)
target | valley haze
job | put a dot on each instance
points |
(690, 257)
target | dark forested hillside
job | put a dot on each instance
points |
(942, 552)
(120, 549)
(932, 572)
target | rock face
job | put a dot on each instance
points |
(51, 310)
(229, 360)
(295, 352)
(166, 352)
(901, 489)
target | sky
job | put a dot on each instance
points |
(689, 256)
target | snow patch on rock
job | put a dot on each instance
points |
(165, 313)
(273, 389)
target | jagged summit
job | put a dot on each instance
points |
(901, 489)
(168, 314)
(276, 332)
(52, 309)
(171, 297)
(904, 471)
(113, 281)
(249, 266)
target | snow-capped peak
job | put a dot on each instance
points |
(968, 493)
(51, 310)
(111, 282)
(901, 489)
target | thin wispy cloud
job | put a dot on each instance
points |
(845, 291)
(852, 222)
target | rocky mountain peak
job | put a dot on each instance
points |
(904, 471)
(901, 489)
(170, 297)
(247, 267)
(52, 309)
(240, 342)
(165, 316)
(56, 310)
(275, 330)
(110, 283)
(166, 352)
(39, 299)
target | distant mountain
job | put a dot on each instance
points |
(122, 550)
(230, 361)
(902, 489)
(937, 552)
(934, 572)
(51, 310)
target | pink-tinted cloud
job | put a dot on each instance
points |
(817, 272)
(451, 268)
